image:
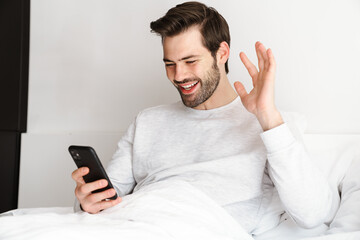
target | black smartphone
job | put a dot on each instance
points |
(85, 156)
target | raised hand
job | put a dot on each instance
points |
(260, 100)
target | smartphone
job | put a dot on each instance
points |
(85, 156)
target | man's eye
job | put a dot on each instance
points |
(169, 64)
(189, 62)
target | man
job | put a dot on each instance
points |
(232, 145)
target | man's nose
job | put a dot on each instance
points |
(180, 72)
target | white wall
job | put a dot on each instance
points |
(94, 65)
(46, 166)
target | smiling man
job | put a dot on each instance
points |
(232, 145)
(193, 70)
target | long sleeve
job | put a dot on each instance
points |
(120, 168)
(302, 187)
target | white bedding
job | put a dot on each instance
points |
(165, 210)
(174, 210)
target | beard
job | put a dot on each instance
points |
(208, 86)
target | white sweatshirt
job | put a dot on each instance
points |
(224, 153)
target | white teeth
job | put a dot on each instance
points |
(187, 87)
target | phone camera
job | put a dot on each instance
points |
(75, 155)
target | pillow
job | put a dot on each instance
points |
(338, 158)
(347, 218)
(333, 154)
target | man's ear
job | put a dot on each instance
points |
(222, 54)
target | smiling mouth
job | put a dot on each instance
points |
(189, 86)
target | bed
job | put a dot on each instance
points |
(165, 211)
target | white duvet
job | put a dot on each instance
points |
(174, 210)
(165, 210)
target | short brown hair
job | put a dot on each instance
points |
(213, 27)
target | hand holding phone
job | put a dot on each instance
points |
(94, 189)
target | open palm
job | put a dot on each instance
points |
(260, 100)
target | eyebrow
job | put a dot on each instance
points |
(182, 59)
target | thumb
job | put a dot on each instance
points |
(240, 89)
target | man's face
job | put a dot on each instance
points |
(191, 67)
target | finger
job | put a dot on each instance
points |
(102, 205)
(78, 174)
(87, 188)
(240, 89)
(251, 68)
(98, 197)
(262, 50)
(259, 56)
(272, 63)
